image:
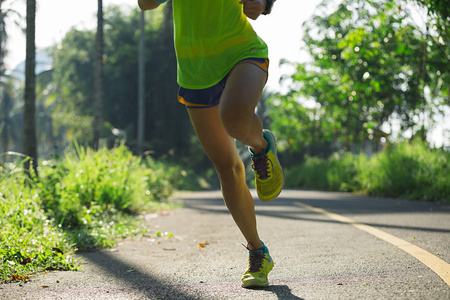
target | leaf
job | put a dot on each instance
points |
(131, 270)
(25, 261)
(57, 250)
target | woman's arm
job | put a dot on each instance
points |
(148, 4)
(254, 8)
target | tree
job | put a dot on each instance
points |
(10, 117)
(29, 136)
(98, 78)
(141, 86)
(71, 93)
(438, 32)
(4, 14)
(2, 46)
(369, 64)
(167, 127)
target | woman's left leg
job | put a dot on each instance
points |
(221, 150)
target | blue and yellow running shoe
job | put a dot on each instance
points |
(259, 265)
(269, 176)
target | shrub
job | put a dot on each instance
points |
(408, 170)
(411, 171)
(84, 200)
(312, 174)
(86, 182)
(30, 241)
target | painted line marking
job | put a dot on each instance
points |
(439, 266)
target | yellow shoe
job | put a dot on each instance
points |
(259, 265)
(269, 176)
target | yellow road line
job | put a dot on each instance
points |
(436, 264)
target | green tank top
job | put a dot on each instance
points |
(211, 36)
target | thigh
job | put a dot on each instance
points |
(243, 88)
(217, 144)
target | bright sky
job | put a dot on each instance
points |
(280, 30)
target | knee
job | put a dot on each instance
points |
(231, 172)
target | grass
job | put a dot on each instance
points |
(84, 200)
(405, 170)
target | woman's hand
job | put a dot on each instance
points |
(147, 4)
(253, 8)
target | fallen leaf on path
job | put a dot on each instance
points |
(131, 270)
(201, 245)
(169, 249)
(44, 286)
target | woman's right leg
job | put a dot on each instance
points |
(221, 150)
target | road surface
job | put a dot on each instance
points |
(324, 245)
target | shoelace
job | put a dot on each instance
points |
(255, 259)
(261, 165)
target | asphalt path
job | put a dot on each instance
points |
(324, 245)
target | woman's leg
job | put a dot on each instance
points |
(242, 93)
(220, 147)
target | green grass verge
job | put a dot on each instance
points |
(405, 170)
(84, 200)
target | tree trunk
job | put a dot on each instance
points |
(98, 78)
(141, 88)
(3, 112)
(29, 135)
(2, 48)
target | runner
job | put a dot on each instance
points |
(222, 70)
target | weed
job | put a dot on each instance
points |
(84, 200)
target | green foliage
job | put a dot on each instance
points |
(407, 170)
(29, 241)
(411, 171)
(84, 200)
(370, 64)
(338, 173)
(86, 183)
(71, 90)
(438, 7)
